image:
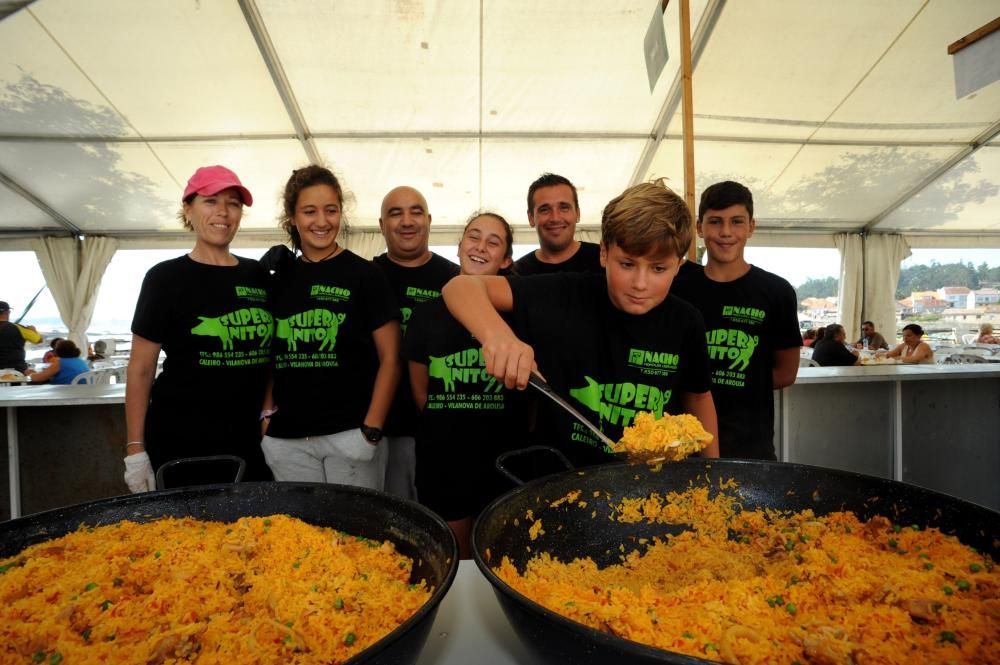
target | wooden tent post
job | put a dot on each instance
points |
(688, 117)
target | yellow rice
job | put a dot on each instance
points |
(668, 437)
(261, 590)
(770, 587)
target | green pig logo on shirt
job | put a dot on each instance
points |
(249, 323)
(467, 367)
(618, 403)
(309, 327)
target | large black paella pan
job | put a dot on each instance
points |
(416, 532)
(501, 530)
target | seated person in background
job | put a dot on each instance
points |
(809, 337)
(912, 350)
(51, 353)
(875, 340)
(64, 367)
(986, 335)
(831, 351)
(100, 351)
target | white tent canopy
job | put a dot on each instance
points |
(842, 117)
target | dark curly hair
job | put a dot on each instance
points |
(307, 176)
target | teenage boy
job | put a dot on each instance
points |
(416, 275)
(554, 211)
(613, 344)
(750, 315)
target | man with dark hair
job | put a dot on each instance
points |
(870, 339)
(832, 351)
(12, 339)
(416, 275)
(553, 211)
(751, 322)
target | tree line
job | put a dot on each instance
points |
(929, 277)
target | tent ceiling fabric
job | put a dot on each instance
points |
(837, 115)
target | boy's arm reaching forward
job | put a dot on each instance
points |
(702, 407)
(476, 302)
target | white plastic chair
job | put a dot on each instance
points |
(966, 358)
(93, 377)
(807, 362)
(969, 338)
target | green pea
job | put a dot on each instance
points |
(975, 567)
(790, 607)
(962, 585)
(948, 636)
(349, 640)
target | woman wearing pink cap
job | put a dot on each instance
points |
(208, 312)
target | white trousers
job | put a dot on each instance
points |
(401, 468)
(345, 458)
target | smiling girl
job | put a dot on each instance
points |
(335, 363)
(468, 417)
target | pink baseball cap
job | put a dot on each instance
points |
(209, 180)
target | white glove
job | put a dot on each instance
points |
(139, 474)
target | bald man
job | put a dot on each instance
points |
(416, 275)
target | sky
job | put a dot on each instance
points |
(21, 278)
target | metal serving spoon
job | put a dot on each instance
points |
(538, 382)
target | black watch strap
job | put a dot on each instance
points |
(373, 434)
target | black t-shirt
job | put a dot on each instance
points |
(609, 364)
(215, 327)
(324, 357)
(586, 259)
(411, 286)
(831, 353)
(468, 420)
(746, 321)
(11, 347)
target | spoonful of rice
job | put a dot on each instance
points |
(653, 440)
(650, 440)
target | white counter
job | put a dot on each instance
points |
(50, 396)
(934, 425)
(878, 372)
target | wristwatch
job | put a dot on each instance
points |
(373, 434)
